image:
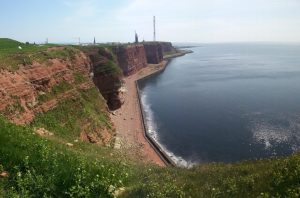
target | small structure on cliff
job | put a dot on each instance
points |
(154, 28)
(136, 38)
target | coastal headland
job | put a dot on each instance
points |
(129, 121)
(71, 126)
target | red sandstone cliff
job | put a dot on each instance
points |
(167, 47)
(131, 58)
(20, 90)
(154, 52)
(106, 75)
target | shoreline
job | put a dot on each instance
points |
(129, 119)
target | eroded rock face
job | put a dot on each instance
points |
(131, 58)
(107, 76)
(20, 90)
(40, 87)
(154, 52)
(166, 47)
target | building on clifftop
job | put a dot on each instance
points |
(136, 38)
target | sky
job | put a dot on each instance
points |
(198, 21)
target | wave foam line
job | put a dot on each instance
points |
(151, 130)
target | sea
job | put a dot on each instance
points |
(226, 103)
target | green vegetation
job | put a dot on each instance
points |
(42, 168)
(174, 51)
(263, 178)
(47, 167)
(9, 44)
(72, 116)
(79, 78)
(63, 53)
(11, 109)
(108, 67)
(60, 88)
(11, 56)
(104, 58)
(108, 46)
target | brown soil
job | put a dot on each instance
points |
(4, 174)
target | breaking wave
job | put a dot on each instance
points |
(151, 130)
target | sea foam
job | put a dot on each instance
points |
(152, 131)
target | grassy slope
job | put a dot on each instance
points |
(70, 117)
(11, 56)
(40, 166)
(46, 167)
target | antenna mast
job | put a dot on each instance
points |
(154, 29)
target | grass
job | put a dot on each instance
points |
(42, 168)
(11, 56)
(86, 112)
(60, 88)
(79, 78)
(105, 65)
(63, 53)
(15, 108)
(170, 52)
(46, 167)
(278, 177)
(108, 67)
(37, 168)
(7, 43)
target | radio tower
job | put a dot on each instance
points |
(154, 29)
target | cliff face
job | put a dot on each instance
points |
(131, 58)
(154, 52)
(54, 74)
(22, 91)
(167, 47)
(106, 75)
(56, 93)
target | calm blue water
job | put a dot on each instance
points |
(226, 103)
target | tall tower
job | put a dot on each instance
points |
(136, 38)
(94, 40)
(154, 29)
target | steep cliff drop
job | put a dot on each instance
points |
(38, 87)
(131, 58)
(154, 52)
(106, 75)
(167, 47)
(53, 92)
